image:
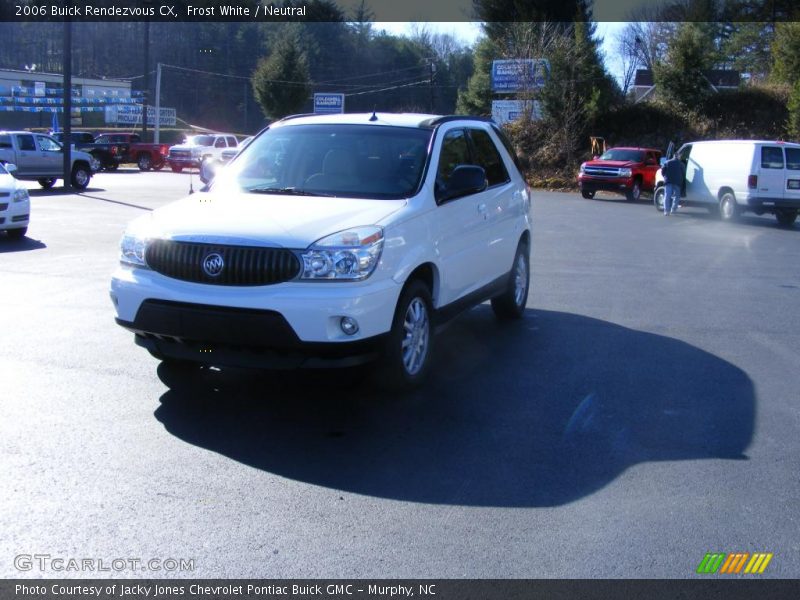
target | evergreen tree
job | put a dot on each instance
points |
(680, 78)
(786, 53)
(281, 81)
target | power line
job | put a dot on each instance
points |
(421, 81)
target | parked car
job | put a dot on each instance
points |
(368, 233)
(146, 156)
(15, 205)
(731, 177)
(228, 154)
(198, 148)
(628, 171)
(108, 155)
(40, 158)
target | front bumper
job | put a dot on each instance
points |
(605, 185)
(283, 325)
(187, 162)
(14, 215)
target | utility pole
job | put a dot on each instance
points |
(67, 93)
(146, 77)
(158, 104)
(430, 82)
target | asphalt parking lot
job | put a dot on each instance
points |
(643, 413)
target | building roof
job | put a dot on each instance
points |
(725, 78)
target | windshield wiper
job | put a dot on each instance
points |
(289, 191)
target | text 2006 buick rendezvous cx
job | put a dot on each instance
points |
(331, 241)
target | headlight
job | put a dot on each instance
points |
(21, 196)
(132, 250)
(583, 168)
(625, 172)
(350, 255)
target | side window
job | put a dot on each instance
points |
(487, 156)
(792, 158)
(232, 142)
(683, 153)
(455, 151)
(220, 143)
(771, 157)
(25, 143)
(5, 141)
(508, 146)
(46, 144)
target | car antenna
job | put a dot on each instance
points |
(374, 117)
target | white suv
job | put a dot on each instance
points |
(333, 240)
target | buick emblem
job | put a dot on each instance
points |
(213, 264)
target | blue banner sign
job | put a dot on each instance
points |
(328, 103)
(519, 75)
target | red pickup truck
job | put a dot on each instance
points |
(146, 156)
(628, 171)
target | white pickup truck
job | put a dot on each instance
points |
(40, 158)
(198, 148)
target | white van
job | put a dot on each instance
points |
(734, 176)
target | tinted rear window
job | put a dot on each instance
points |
(771, 157)
(793, 159)
(487, 156)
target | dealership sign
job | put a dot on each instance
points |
(508, 111)
(132, 115)
(519, 75)
(328, 103)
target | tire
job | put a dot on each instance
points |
(511, 303)
(145, 163)
(786, 216)
(587, 195)
(159, 166)
(728, 209)
(659, 197)
(80, 177)
(47, 182)
(176, 169)
(112, 166)
(402, 365)
(635, 193)
(17, 234)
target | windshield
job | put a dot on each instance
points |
(355, 161)
(623, 155)
(200, 140)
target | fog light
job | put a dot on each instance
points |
(349, 326)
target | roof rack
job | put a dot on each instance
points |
(435, 122)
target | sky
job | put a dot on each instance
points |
(468, 32)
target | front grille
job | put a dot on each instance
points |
(180, 154)
(602, 171)
(19, 218)
(241, 265)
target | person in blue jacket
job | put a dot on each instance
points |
(674, 173)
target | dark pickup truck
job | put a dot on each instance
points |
(146, 156)
(108, 155)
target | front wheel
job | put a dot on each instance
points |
(635, 193)
(587, 195)
(144, 162)
(407, 355)
(17, 234)
(47, 182)
(728, 209)
(80, 177)
(659, 197)
(786, 216)
(511, 303)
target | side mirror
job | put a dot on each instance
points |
(10, 167)
(208, 170)
(464, 180)
(662, 162)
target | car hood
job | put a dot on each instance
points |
(611, 163)
(261, 219)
